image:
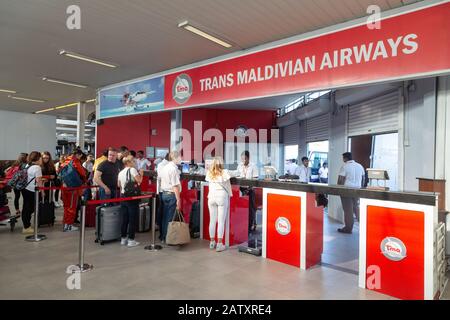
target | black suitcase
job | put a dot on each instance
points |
(46, 215)
(108, 224)
(194, 220)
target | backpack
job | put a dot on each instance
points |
(131, 188)
(19, 180)
(69, 175)
(10, 172)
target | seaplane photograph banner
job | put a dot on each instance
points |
(133, 98)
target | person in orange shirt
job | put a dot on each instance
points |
(70, 198)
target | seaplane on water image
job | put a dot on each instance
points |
(131, 100)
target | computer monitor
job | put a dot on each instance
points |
(185, 168)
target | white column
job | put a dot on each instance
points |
(81, 118)
(175, 129)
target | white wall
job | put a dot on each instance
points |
(338, 145)
(419, 132)
(443, 135)
(26, 132)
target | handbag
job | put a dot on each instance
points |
(178, 231)
(131, 188)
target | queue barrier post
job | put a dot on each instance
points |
(153, 247)
(36, 237)
(82, 267)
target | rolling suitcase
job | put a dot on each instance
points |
(143, 222)
(194, 220)
(108, 225)
(46, 216)
(90, 216)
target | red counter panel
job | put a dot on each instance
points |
(283, 248)
(402, 279)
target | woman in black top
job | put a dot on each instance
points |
(48, 169)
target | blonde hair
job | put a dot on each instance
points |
(216, 168)
(128, 159)
(173, 155)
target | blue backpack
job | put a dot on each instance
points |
(69, 175)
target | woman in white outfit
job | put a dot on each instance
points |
(218, 201)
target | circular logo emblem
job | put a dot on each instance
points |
(393, 248)
(182, 88)
(241, 131)
(283, 226)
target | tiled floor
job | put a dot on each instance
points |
(37, 271)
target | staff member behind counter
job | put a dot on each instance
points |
(248, 170)
(351, 175)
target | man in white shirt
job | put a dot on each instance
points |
(161, 164)
(248, 170)
(304, 172)
(323, 173)
(170, 188)
(141, 162)
(351, 175)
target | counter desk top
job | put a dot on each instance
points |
(424, 198)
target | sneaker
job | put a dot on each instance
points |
(124, 241)
(212, 245)
(343, 230)
(29, 230)
(69, 228)
(132, 243)
(220, 247)
(57, 205)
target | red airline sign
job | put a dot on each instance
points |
(412, 44)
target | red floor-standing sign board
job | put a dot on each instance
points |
(283, 242)
(395, 245)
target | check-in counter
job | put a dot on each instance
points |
(401, 243)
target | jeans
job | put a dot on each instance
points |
(130, 212)
(29, 206)
(104, 196)
(169, 207)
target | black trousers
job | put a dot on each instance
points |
(160, 211)
(28, 207)
(16, 199)
(251, 209)
(130, 212)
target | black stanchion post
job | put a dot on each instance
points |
(153, 246)
(36, 237)
(81, 266)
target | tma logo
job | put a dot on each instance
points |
(393, 248)
(283, 226)
(182, 88)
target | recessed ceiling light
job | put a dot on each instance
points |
(189, 27)
(67, 105)
(85, 58)
(45, 110)
(67, 83)
(27, 99)
(8, 91)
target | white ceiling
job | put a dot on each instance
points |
(142, 37)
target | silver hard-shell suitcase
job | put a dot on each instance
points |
(109, 222)
(143, 221)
